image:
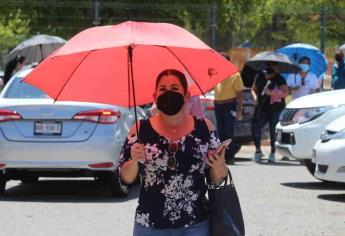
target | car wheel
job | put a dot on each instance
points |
(310, 166)
(113, 183)
(2, 184)
(238, 147)
(29, 179)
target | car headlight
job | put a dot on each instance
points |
(328, 135)
(308, 114)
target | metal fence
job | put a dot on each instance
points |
(201, 19)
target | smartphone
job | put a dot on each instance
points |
(225, 144)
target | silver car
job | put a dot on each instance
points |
(43, 138)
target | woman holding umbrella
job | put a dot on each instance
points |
(13, 65)
(270, 90)
(177, 150)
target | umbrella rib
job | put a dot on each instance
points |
(186, 70)
(71, 75)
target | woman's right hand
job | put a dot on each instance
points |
(138, 152)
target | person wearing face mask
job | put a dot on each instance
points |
(338, 73)
(303, 83)
(228, 106)
(175, 151)
(269, 91)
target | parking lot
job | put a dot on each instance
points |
(277, 199)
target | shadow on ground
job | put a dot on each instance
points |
(315, 185)
(279, 163)
(242, 159)
(65, 191)
(332, 197)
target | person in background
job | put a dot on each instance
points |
(177, 151)
(12, 66)
(338, 73)
(228, 105)
(269, 91)
(194, 107)
(303, 83)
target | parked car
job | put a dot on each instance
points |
(302, 122)
(328, 153)
(43, 138)
(242, 132)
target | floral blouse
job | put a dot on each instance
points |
(172, 198)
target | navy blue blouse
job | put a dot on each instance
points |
(172, 198)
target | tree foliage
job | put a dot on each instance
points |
(265, 23)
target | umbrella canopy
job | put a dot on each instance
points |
(36, 48)
(248, 75)
(296, 51)
(258, 62)
(110, 64)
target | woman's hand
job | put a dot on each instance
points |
(216, 161)
(138, 152)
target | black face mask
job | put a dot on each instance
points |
(170, 102)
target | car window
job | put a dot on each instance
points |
(20, 89)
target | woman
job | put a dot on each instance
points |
(177, 150)
(303, 83)
(270, 90)
(13, 65)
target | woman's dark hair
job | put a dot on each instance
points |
(11, 66)
(304, 58)
(181, 77)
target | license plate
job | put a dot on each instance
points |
(279, 135)
(47, 128)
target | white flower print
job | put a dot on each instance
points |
(143, 219)
(178, 197)
(214, 141)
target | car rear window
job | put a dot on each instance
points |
(20, 89)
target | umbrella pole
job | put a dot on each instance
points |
(141, 165)
(41, 50)
(130, 54)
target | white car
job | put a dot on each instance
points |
(302, 122)
(329, 151)
(43, 138)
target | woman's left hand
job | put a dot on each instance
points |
(216, 161)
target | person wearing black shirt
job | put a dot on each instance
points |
(269, 91)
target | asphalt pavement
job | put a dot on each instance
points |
(277, 199)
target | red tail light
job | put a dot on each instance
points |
(2, 165)
(6, 115)
(209, 104)
(102, 165)
(99, 116)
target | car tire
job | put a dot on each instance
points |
(2, 184)
(113, 182)
(29, 179)
(238, 147)
(310, 166)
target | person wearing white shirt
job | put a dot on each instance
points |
(304, 82)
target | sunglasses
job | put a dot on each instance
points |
(172, 149)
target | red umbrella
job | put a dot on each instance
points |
(109, 64)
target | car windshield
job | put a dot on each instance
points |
(20, 89)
